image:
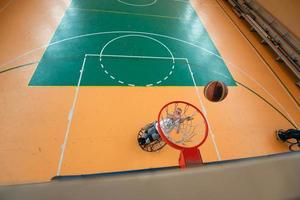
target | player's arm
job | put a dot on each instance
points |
(178, 128)
(188, 118)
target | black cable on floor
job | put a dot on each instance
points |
(17, 67)
(266, 101)
(259, 96)
(249, 89)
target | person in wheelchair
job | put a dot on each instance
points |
(288, 134)
(168, 124)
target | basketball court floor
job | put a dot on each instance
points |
(79, 79)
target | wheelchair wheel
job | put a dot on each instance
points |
(295, 146)
(292, 141)
(277, 135)
(154, 146)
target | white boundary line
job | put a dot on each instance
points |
(70, 119)
(5, 6)
(146, 33)
(268, 93)
(109, 32)
(138, 5)
(142, 57)
(130, 56)
(204, 112)
(259, 56)
(165, 77)
(182, 1)
(71, 113)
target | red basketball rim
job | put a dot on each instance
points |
(162, 135)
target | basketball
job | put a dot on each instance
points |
(215, 91)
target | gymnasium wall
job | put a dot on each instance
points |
(287, 12)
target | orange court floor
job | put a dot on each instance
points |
(34, 146)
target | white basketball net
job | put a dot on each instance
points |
(182, 124)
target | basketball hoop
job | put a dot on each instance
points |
(184, 127)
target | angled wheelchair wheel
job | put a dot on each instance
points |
(295, 146)
(292, 141)
(154, 146)
(277, 135)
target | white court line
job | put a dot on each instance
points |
(71, 113)
(138, 5)
(204, 112)
(70, 118)
(5, 6)
(139, 57)
(137, 32)
(264, 89)
(136, 35)
(133, 56)
(259, 56)
(268, 93)
(103, 33)
(274, 99)
(129, 56)
(182, 1)
(146, 33)
(76, 97)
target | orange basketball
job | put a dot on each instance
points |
(215, 91)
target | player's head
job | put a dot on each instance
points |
(177, 112)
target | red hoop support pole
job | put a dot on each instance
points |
(190, 157)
